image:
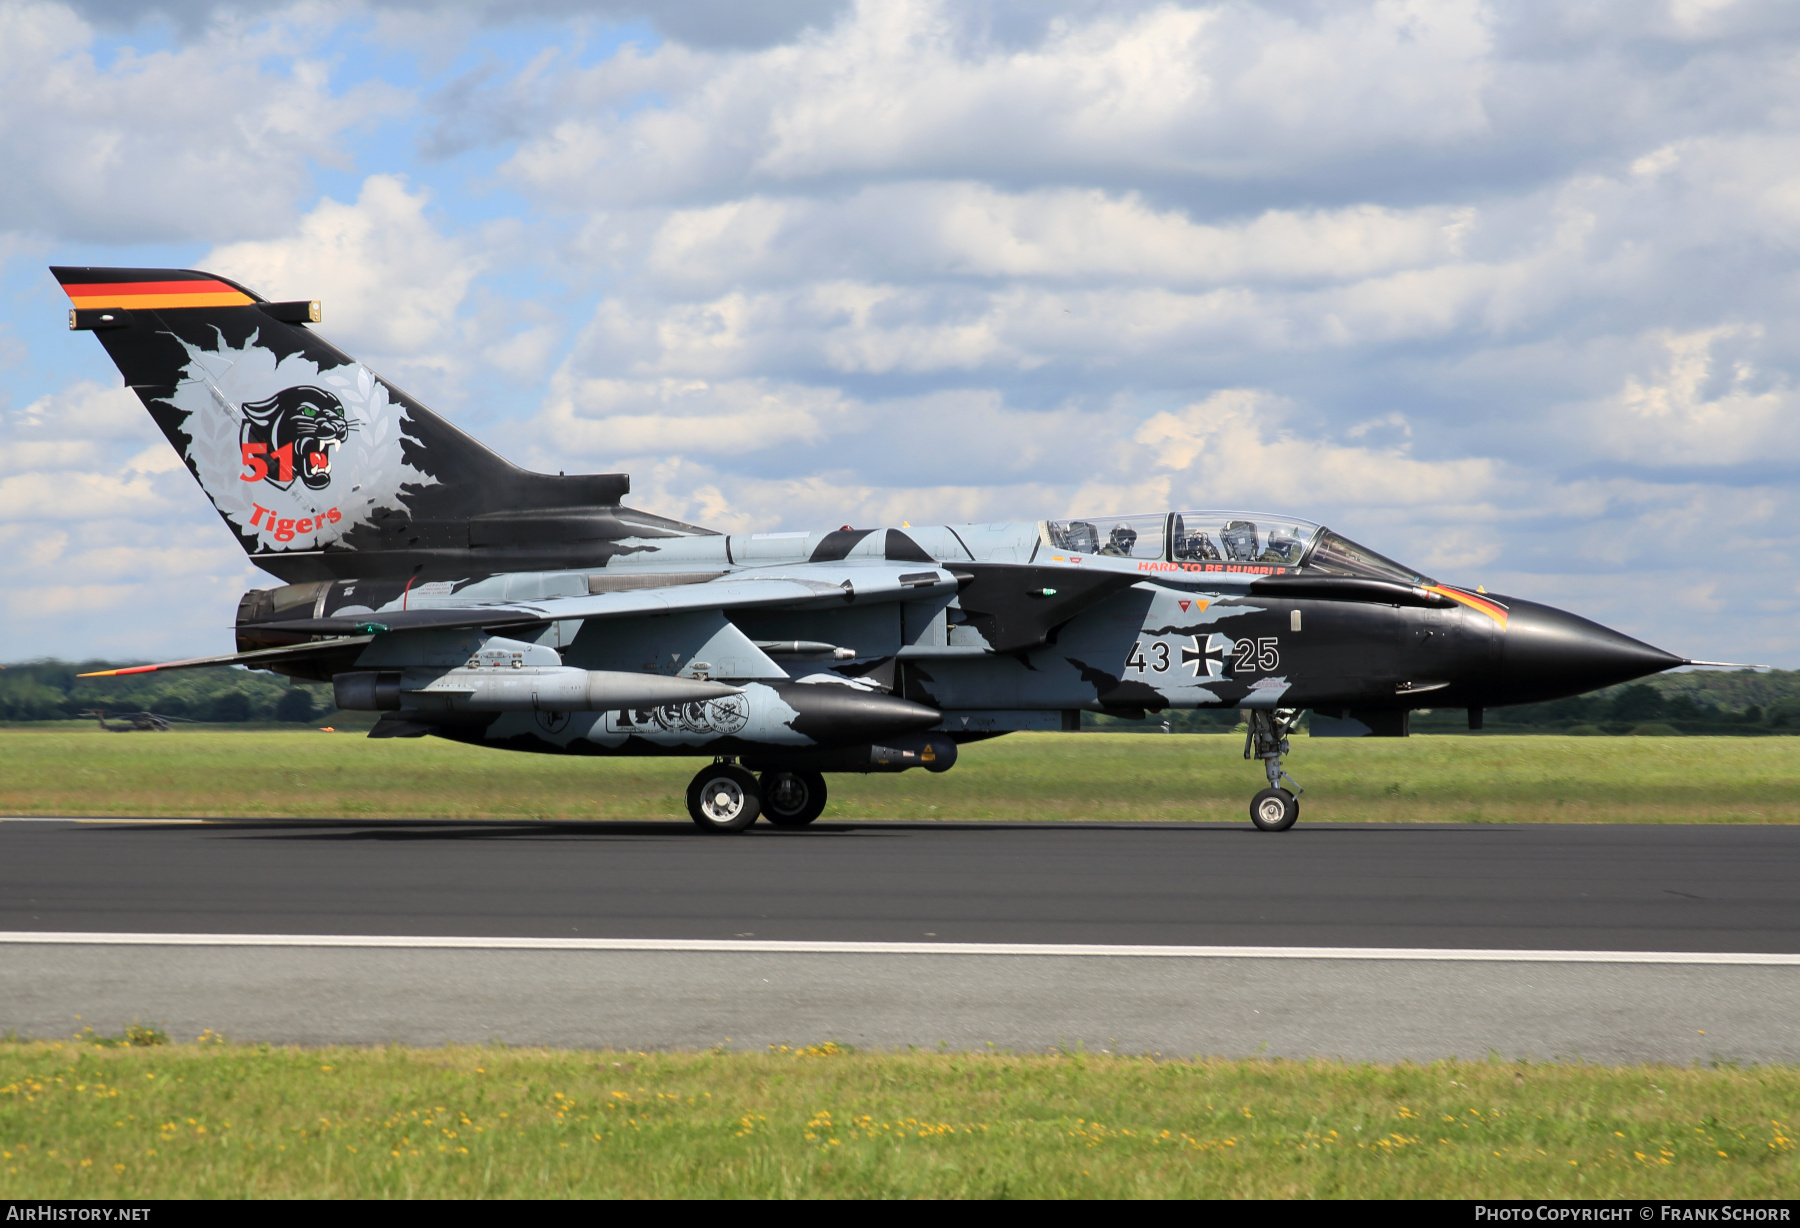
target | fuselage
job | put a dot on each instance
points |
(1046, 619)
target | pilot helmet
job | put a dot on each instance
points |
(1123, 536)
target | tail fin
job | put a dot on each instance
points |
(311, 457)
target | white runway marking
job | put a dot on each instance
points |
(774, 946)
(1361, 1004)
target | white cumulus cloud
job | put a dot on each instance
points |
(198, 141)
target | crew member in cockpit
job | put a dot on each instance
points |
(1120, 542)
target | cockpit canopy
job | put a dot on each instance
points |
(1128, 537)
(1226, 541)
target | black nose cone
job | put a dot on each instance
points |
(1548, 653)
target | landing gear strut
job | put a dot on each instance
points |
(724, 797)
(1274, 809)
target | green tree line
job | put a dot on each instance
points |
(1699, 702)
(51, 691)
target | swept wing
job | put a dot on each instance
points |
(792, 587)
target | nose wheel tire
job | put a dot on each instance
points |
(792, 799)
(724, 798)
(1274, 810)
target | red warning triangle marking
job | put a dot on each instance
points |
(1184, 605)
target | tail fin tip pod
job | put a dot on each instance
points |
(306, 453)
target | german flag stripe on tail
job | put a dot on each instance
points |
(91, 288)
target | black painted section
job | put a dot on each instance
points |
(1359, 650)
(1346, 588)
(1633, 888)
(1016, 606)
(1128, 695)
(835, 715)
(838, 544)
(404, 620)
(934, 752)
(79, 274)
(1548, 653)
(902, 549)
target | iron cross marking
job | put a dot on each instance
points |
(1204, 658)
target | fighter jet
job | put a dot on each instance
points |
(432, 581)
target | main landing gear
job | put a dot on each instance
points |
(726, 797)
(793, 799)
(1274, 809)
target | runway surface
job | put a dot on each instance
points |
(1650, 888)
(641, 935)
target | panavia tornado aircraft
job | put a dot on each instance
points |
(429, 579)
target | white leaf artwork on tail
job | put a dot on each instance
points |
(296, 455)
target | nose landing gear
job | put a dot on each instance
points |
(1274, 809)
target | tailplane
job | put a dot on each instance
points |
(322, 468)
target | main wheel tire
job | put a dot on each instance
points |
(724, 798)
(792, 799)
(1274, 810)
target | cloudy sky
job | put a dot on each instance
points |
(1507, 291)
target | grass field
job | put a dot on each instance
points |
(221, 1120)
(79, 770)
(83, 1119)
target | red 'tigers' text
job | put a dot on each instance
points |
(284, 529)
